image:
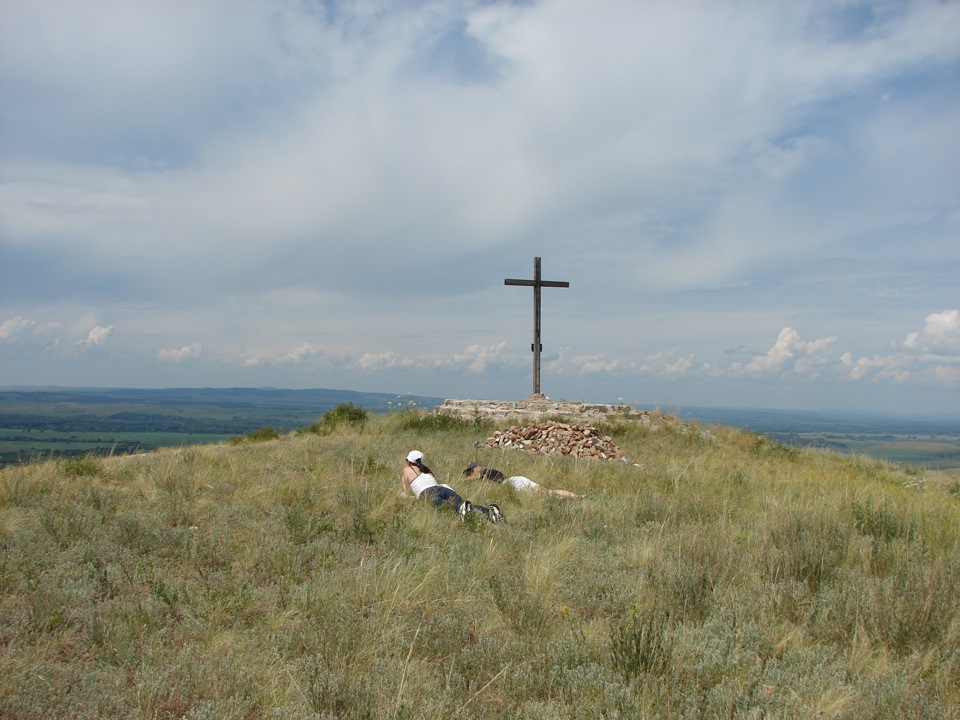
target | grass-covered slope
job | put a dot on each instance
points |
(721, 575)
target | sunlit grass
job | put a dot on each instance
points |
(714, 574)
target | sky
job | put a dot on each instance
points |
(756, 204)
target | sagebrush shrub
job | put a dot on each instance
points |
(643, 644)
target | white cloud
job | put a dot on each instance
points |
(940, 333)
(895, 373)
(274, 357)
(938, 368)
(598, 363)
(184, 353)
(300, 354)
(13, 327)
(669, 363)
(786, 347)
(876, 367)
(338, 172)
(96, 337)
(389, 360)
(666, 364)
(935, 350)
(478, 358)
(680, 367)
(860, 368)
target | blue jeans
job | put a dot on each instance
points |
(440, 495)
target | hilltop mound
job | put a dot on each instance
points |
(286, 577)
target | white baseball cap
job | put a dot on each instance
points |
(414, 455)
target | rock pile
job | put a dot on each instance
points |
(557, 438)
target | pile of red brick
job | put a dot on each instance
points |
(557, 438)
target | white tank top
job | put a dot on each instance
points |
(422, 482)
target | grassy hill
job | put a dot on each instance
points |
(715, 575)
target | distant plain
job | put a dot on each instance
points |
(38, 423)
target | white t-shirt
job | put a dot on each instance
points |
(519, 482)
(421, 483)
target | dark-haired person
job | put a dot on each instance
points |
(419, 481)
(476, 471)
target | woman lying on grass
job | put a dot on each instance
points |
(418, 480)
(476, 471)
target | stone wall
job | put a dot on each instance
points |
(538, 407)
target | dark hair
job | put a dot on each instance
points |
(423, 468)
(485, 473)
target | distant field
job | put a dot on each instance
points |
(18, 445)
(55, 422)
(919, 441)
(67, 422)
(936, 452)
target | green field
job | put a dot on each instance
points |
(937, 452)
(932, 443)
(67, 422)
(933, 452)
(20, 445)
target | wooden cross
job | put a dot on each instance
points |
(536, 283)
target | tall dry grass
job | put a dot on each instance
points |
(716, 574)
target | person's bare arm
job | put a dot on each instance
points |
(407, 477)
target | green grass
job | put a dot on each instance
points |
(720, 576)
(17, 444)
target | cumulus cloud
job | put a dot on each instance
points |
(478, 358)
(389, 360)
(938, 345)
(13, 327)
(667, 364)
(861, 367)
(786, 347)
(681, 366)
(941, 333)
(278, 358)
(896, 367)
(300, 354)
(598, 363)
(184, 353)
(96, 337)
(671, 364)
(931, 354)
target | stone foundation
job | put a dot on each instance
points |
(537, 407)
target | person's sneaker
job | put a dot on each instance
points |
(495, 514)
(465, 507)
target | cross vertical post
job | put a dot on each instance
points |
(536, 284)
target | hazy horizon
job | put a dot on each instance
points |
(666, 407)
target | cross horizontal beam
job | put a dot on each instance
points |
(534, 283)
